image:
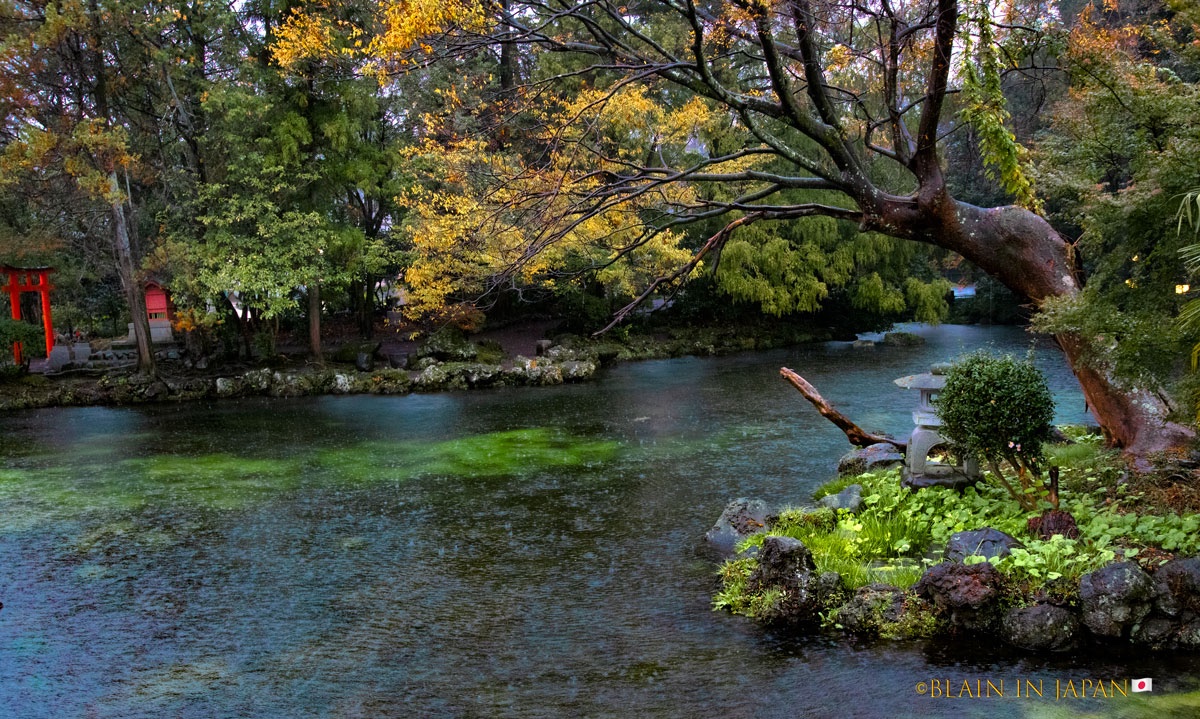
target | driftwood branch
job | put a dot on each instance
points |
(857, 435)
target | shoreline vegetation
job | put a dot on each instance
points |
(446, 360)
(907, 564)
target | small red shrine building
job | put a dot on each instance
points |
(28, 279)
(158, 304)
(159, 311)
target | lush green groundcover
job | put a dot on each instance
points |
(900, 532)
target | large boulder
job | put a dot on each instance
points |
(869, 459)
(1177, 585)
(986, 542)
(742, 517)
(786, 565)
(1175, 621)
(1115, 599)
(967, 594)
(1042, 627)
(781, 561)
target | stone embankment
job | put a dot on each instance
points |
(427, 372)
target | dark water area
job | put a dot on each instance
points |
(509, 553)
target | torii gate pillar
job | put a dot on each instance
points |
(22, 279)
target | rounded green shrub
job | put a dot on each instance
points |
(999, 408)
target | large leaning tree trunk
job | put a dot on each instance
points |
(1024, 252)
(1019, 248)
(839, 107)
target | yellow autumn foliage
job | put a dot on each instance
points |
(409, 23)
(303, 36)
(398, 31)
(482, 217)
(478, 217)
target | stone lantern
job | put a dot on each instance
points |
(919, 469)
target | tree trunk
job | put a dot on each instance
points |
(242, 318)
(362, 302)
(134, 292)
(508, 54)
(1022, 250)
(314, 320)
(367, 319)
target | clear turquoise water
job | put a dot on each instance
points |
(523, 553)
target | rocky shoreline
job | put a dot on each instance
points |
(444, 361)
(73, 389)
(1156, 606)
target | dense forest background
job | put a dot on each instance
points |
(276, 163)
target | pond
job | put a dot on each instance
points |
(512, 553)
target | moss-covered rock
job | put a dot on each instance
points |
(903, 339)
(432, 378)
(474, 374)
(577, 370)
(787, 585)
(870, 607)
(1041, 627)
(1116, 598)
(258, 380)
(448, 344)
(392, 381)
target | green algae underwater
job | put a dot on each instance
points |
(510, 553)
(38, 488)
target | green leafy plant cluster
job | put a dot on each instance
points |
(1053, 559)
(889, 540)
(1000, 408)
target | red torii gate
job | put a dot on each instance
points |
(21, 279)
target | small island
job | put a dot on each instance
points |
(1095, 552)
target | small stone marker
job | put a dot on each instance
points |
(59, 357)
